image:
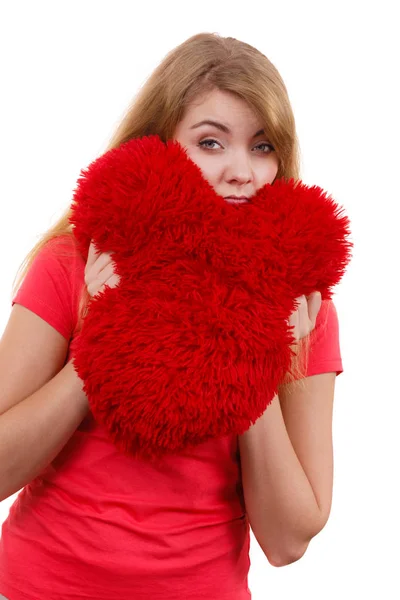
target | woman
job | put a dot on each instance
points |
(93, 523)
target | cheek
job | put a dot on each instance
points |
(268, 172)
(209, 166)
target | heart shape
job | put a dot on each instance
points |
(193, 342)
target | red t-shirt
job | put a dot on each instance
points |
(97, 524)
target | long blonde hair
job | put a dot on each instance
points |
(204, 62)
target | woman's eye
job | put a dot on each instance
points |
(269, 146)
(208, 144)
(205, 143)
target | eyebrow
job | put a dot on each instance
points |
(222, 127)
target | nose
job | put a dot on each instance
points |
(238, 170)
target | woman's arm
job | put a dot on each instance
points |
(287, 457)
(34, 431)
(287, 469)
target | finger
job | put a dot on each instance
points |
(293, 323)
(298, 301)
(92, 254)
(294, 319)
(98, 285)
(302, 307)
(95, 283)
(295, 313)
(106, 272)
(94, 271)
(314, 305)
(113, 281)
(302, 302)
(101, 262)
(303, 317)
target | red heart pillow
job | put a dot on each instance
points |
(193, 342)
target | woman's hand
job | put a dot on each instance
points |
(304, 318)
(99, 271)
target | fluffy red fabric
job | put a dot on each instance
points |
(193, 342)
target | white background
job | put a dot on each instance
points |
(68, 72)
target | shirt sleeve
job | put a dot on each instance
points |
(324, 349)
(50, 288)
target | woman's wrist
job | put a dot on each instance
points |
(77, 382)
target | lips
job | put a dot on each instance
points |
(236, 199)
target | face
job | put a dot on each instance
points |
(225, 138)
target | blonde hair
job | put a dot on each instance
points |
(204, 62)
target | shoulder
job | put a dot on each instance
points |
(53, 282)
(60, 255)
(327, 321)
(61, 248)
(324, 343)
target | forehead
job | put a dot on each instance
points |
(223, 107)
